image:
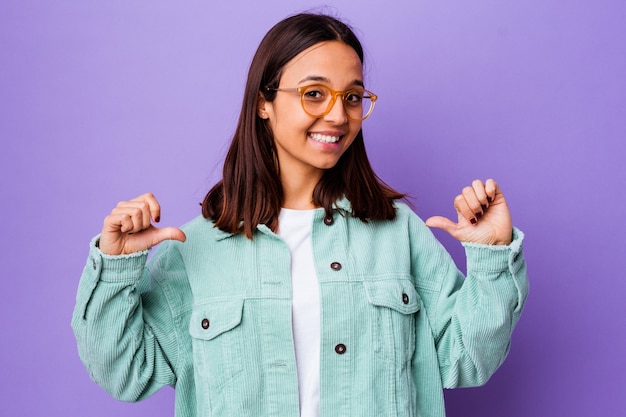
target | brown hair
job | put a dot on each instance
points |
(250, 192)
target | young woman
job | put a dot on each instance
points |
(305, 288)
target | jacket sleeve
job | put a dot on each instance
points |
(472, 317)
(126, 322)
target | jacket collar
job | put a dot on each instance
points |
(220, 234)
(343, 204)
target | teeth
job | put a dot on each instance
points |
(324, 138)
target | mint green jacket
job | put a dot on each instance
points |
(212, 318)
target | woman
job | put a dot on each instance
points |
(306, 288)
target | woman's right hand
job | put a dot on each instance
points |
(128, 228)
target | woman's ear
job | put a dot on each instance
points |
(262, 107)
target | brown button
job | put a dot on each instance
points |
(405, 298)
(340, 349)
(205, 323)
(335, 266)
(328, 220)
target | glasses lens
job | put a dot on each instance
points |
(357, 103)
(316, 100)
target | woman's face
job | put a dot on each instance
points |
(307, 145)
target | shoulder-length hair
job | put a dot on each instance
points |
(250, 192)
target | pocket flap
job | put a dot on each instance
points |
(210, 320)
(397, 294)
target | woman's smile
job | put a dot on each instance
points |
(325, 138)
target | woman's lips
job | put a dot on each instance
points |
(324, 138)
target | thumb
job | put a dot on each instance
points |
(443, 223)
(167, 233)
(151, 237)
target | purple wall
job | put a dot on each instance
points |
(101, 101)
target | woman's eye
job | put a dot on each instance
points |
(354, 98)
(314, 94)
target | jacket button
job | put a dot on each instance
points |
(94, 264)
(328, 220)
(335, 266)
(405, 298)
(205, 323)
(340, 349)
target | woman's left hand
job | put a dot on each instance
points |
(483, 215)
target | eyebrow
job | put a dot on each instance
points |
(319, 78)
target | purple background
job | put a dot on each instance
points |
(102, 101)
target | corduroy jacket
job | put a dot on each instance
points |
(212, 318)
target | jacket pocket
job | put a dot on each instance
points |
(394, 303)
(217, 341)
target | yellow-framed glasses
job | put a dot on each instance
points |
(318, 99)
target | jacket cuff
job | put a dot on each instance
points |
(496, 258)
(116, 268)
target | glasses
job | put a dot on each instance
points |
(318, 99)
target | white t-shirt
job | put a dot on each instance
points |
(294, 227)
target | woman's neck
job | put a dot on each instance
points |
(298, 189)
